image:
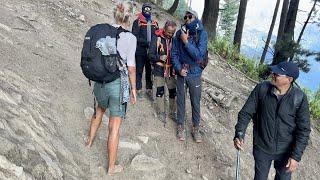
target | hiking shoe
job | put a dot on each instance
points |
(139, 94)
(149, 94)
(161, 116)
(196, 135)
(181, 133)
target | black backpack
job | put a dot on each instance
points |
(265, 88)
(95, 66)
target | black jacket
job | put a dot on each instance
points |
(279, 125)
(139, 29)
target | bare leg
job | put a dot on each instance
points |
(95, 124)
(113, 141)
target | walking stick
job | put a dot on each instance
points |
(185, 66)
(185, 117)
(238, 165)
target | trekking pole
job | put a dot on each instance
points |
(165, 109)
(185, 117)
(238, 165)
(185, 66)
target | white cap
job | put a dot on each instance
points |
(192, 12)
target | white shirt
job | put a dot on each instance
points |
(126, 47)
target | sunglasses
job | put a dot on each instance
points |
(147, 9)
(278, 75)
(187, 17)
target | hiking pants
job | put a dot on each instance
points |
(194, 85)
(160, 83)
(141, 62)
(263, 163)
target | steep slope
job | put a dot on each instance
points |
(46, 104)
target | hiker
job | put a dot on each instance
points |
(189, 49)
(144, 29)
(281, 123)
(163, 72)
(114, 95)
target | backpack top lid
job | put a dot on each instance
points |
(99, 56)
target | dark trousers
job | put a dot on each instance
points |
(194, 85)
(141, 62)
(263, 163)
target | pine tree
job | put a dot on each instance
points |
(210, 17)
(228, 17)
(240, 23)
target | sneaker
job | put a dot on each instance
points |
(181, 133)
(196, 135)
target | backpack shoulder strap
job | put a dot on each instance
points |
(297, 97)
(263, 90)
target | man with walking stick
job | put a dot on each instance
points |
(188, 50)
(281, 123)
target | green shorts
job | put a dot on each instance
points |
(108, 97)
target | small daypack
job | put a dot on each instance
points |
(204, 62)
(100, 63)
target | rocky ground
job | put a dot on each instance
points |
(46, 104)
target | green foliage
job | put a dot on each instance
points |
(182, 7)
(248, 66)
(314, 105)
(228, 17)
(228, 51)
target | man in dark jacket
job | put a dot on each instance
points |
(160, 56)
(281, 123)
(188, 51)
(144, 28)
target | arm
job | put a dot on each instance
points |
(198, 51)
(152, 53)
(302, 130)
(131, 62)
(175, 54)
(142, 41)
(247, 112)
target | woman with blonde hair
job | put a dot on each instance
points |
(114, 95)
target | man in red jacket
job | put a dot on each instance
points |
(159, 54)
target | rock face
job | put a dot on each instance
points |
(30, 147)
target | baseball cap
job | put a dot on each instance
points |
(286, 68)
(193, 12)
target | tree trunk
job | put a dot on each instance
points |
(174, 7)
(270, 32)
(283, 18)
(285, 47)
(304, 26)
(210, 17)
(307, 21)
(240, 23)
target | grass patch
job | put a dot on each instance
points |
(228, 51)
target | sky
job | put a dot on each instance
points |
(259, 15)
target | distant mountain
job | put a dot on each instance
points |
(253, 42)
